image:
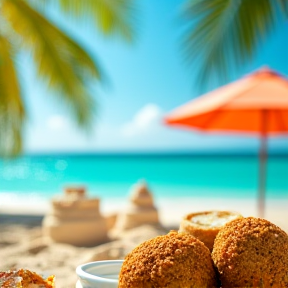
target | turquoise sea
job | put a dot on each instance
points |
(167, 175)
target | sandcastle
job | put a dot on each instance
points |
(75, 219)
(140, 211)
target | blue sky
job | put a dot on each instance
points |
(147, 79)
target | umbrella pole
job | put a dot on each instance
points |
(262, 164)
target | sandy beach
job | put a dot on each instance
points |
(22, 244)
(173, 209)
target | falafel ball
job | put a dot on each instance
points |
(251, 252)
(175, 260)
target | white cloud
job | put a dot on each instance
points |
(56, 123)
(145, 119)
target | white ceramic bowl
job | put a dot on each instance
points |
(102, 274)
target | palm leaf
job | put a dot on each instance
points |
(111, 16)
(12, 112)
(58, 58)
(224, 34)
(284, 7)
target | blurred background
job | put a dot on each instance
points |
(85, 88)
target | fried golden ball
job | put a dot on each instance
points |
(23, 278)
(251, 252)
(206, 225)
(175, 260)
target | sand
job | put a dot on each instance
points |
(22, 244)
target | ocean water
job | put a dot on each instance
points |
(112, 176)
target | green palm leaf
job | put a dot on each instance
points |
(58, 58)
(12, 112)
(224, 34)
(111, 16)
(284, 6)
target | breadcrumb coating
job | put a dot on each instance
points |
(24, 278)
(251, 252)
(175, 260)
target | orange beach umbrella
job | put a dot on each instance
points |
(255, 104)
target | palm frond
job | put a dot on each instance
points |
(224, 34)
(284, 7)
(58, 58)
(111, 16)
(12, 112)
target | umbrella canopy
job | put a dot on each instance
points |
(255, 104)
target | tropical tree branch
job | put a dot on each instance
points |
(58, 58)
(12, 111)
(222, 35)
(110, 16)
